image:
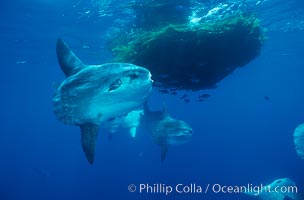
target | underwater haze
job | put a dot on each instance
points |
(242, 131)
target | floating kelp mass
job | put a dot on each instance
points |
(192, 55)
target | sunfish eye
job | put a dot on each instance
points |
(116, 84)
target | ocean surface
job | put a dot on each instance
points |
(242, 134)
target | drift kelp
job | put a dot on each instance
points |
(194, 56)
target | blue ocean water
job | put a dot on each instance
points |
(239, 137)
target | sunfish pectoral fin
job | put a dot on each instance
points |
(133, 131)
(89, 133)
(164, 150)
(68, 61)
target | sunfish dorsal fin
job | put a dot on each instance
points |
(68, 61)
(89, 133)
(164, 150)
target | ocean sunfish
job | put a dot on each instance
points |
(165, 130)
(279, 189)
(298, 138)
(93, 94)
(129, 121)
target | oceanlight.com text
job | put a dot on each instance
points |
(193, 188)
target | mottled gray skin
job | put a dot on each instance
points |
(93, 94)
(165, 130)
(87, 95)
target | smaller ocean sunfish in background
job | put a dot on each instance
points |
(165, 130)
(287, 186)
(130, 121)
(93, 94)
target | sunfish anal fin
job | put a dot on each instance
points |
(68, 61)
(89, 133)
(164, 150)
(133, 131)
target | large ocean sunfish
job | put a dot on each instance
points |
(93, 94)
(165, 130)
